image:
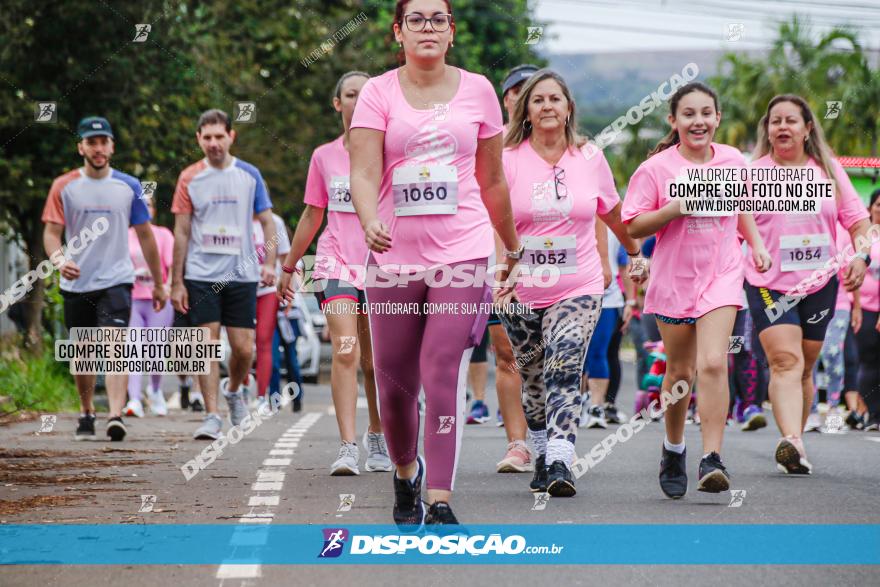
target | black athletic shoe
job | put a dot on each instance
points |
(539, 481)
(409, 512)
(184, 395)
(115, 429)
(197, 405)
(439, 513)
(559, 480)
(297, 403)
(854, 421)
(714, 478)
(85, 430)
(612, 416)
(673, 473)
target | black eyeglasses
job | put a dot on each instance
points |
(558, 176)
(415, 22)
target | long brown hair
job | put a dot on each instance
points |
(519, 130)
(398, 20)
(672, 137)
(816, 146)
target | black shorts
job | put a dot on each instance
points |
(104, 307)
(812, 313)
(479, 355)
(332, 289)
(233, 304)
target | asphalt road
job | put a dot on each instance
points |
(279, 473)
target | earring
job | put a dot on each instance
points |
(526, 122)
(566, 120)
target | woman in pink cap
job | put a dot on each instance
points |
(697, 284)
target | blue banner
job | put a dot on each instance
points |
(280, 544)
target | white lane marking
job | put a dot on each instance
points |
(263, 500)
(873, 439)
(267, 480)
(239, 572)
(267, 486)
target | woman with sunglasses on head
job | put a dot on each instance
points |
(800, 245)
(341, 296)
(696, 288)
(557, 191)
(425, 169)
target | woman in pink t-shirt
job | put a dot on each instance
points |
(793, 303)
(557, 190)
(868, 335)
(697, 281)
(339, 284)
(143, 315)
(428, 186)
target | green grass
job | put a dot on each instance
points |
(35, 383)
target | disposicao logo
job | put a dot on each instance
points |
(334, 540)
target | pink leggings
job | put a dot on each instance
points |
(430, 350)
(267, 318)
(142, 315)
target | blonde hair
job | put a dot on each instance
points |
(517, 131)
(815, 146)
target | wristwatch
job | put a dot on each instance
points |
(517, 254)
(865, 257)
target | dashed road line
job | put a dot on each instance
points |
(268, 485)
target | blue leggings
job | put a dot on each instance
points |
(288, 354)
(597, 353)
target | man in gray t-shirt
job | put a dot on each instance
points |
(92, 208)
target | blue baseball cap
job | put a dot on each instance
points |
(93, 126)
(518, 75)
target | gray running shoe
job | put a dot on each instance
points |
(377, 452)
(346, 462)
(210, 429)
(237, 406)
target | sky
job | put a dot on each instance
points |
(598, 26)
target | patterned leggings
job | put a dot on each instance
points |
(549, 345)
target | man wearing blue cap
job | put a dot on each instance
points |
(92, 208)
(512, 84)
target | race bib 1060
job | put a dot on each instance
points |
(425, 189)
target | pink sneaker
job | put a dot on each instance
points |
(791, 458)
(518, 459)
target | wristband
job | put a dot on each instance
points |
(287, 269)
(630, 303)
(864, 257)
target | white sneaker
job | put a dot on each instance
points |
(814, 423)
(596, 418)
(346, 462)
(158, 407)
(134, 408)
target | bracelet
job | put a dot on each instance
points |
(636, 254)
(631, 303)
(287, 269)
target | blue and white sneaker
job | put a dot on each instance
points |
(479, 413)
(753, 419)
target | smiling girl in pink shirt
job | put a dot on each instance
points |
(697, 284)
